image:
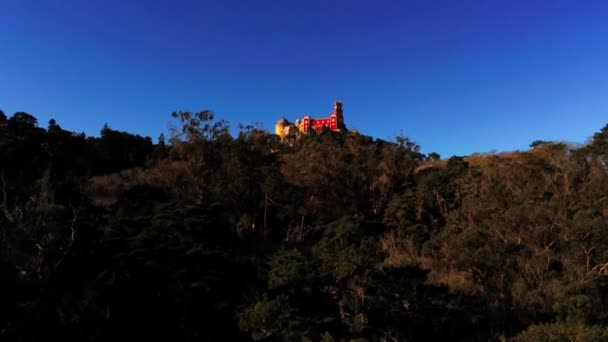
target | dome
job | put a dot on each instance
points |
(282, 122)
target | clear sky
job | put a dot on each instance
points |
(456, 76)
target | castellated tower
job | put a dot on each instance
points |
(338, 114)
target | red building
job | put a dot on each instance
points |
(335, 121)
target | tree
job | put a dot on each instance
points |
(200, 126)
(433, 156)
(537, 143)
(25, 119)
(287, 267)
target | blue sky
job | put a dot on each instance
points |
(455, 76)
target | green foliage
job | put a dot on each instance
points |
(270, 318)
(599, 143)
(287, 267)
(347, 247)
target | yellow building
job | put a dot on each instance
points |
(282, 128)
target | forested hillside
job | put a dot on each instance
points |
(206, 236)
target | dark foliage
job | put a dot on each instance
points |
(333, 236)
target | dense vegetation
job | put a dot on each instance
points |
(330, 237)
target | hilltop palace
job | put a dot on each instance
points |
(334, 122)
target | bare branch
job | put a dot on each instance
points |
(3, 206)
(73, 231)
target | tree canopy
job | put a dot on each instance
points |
(331, 237)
